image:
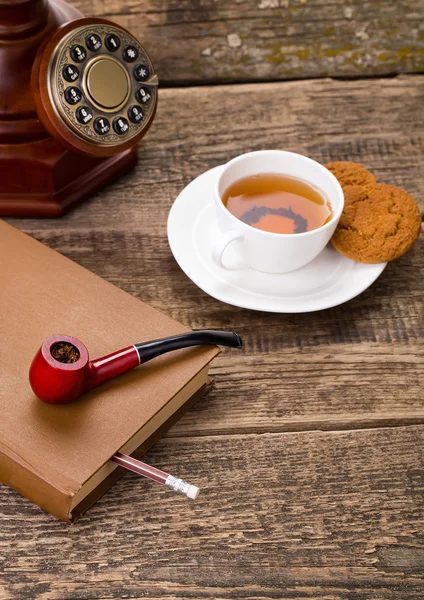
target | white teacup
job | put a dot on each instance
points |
(263, 250)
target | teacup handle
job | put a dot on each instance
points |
(219, 247)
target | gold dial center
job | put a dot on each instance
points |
(107, 83)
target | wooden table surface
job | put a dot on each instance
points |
(309, 450)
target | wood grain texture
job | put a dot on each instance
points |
(203, 41)
(309, 449)
(303, 515)
(358, 365)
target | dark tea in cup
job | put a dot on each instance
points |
(277, 203)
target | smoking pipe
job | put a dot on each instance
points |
(61, 370)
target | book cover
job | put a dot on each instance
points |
(58, 456)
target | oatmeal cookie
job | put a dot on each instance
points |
(378, 225)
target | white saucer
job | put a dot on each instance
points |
(327, 281)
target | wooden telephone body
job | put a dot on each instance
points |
(77, 96)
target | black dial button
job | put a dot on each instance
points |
(78, 53)
(94, 42)
(120, 125)
(70, 73)
(112, 42)
(102, 125)
(135, 114)
(73, 95)
(84, 114)
(141, 72)
(144, 94)
(130, 53)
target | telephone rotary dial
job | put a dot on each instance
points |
(77, 95)
(94, 86)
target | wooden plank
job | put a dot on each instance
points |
(325, 387)
(307, 515)
(285, 513)
(248, 40)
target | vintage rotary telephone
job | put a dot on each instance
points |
(75, 100)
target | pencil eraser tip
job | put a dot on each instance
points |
(193, 492)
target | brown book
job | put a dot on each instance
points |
(58, 456)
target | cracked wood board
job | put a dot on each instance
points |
(337, 514)
(210, 41)
(328, 516)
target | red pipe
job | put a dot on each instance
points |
(114, 364)
(59, 382)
